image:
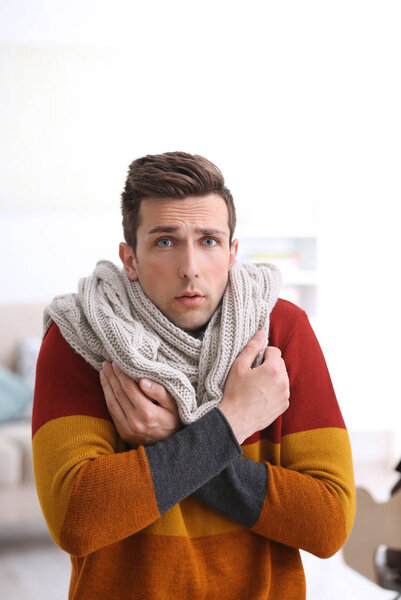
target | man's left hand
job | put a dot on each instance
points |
(141, 417)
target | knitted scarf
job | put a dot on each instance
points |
(111, 318)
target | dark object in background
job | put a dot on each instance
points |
(390, 570)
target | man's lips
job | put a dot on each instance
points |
(190, 299)
(190, 293)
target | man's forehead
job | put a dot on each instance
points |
(207, 215)
(178, 228)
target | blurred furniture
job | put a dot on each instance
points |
(377, 527)
(18, 499)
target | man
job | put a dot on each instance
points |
(168, 458)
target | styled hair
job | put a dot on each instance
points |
(170, 175)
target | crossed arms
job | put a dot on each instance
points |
(85, 473)
(253, 398)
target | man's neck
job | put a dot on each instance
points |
(197, 333)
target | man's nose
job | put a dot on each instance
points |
(188, 266)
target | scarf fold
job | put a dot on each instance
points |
(111, 318)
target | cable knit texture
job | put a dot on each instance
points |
(111, 318)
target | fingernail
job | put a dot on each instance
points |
(105, 365)
(102, 375)
(146, 383)
(259, 335)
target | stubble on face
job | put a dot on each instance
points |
(167, 269)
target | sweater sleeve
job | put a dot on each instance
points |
(93, 489)
(306, 498)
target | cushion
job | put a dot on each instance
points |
(15, 395)
(10, 462)
(27, 356)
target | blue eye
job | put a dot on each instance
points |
(213, 240)
(163, 240)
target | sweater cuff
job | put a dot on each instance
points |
(184, 462)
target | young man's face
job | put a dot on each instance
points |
(188, 254)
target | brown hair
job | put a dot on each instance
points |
(170, 175)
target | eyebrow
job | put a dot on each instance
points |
(174, 229)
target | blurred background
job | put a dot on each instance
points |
(298, 105)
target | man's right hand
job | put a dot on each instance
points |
(141, 416)
(254, 398)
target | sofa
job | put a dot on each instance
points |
(20, 337)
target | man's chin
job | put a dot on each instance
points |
(190, 325)
(191, 320)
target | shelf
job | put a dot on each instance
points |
(295, 256)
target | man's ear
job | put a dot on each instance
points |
(127, 256)
(233, 253)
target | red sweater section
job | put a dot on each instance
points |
(289, 331)
(82, 376)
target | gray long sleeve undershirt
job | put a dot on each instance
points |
(206, 460)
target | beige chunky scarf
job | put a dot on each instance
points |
(111, 318)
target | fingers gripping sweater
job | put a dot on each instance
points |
(196, 515)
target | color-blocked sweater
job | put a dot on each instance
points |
(197, 515)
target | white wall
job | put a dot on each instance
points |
(297, 103)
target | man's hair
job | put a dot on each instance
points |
(170, 175)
